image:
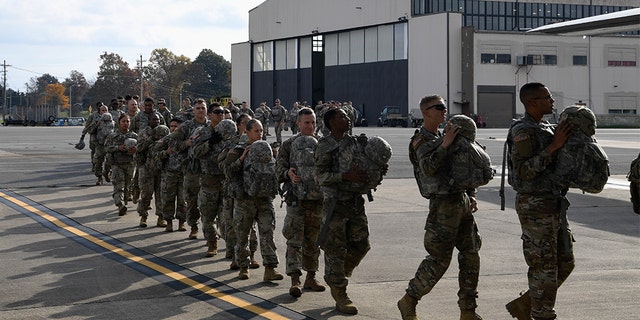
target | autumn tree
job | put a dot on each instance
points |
(53, 95)
(114, 78)
(76, 86)
(165, 73)
(209, 75)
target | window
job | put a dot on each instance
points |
(579, 60)
(551, 59)
(487, 58)
(495, 53)
(621, 57)
(317, 43)
(503, 58)
(622, 104)
(263, 56)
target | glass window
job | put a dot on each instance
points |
(281, 55)
(400, 41)
(305, 52)
(371, 44)
(503, 58)
(385, 43)
(487, 58)
(343, 48)
(579, 60)
(357, 46)
(550, 59)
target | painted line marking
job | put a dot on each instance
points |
(199, 286)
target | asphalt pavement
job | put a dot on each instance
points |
(66, 254)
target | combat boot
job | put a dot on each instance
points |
(161, 223)
(244, 274)
(312, 283)
(107, 176)
(343, 303)
(99, 182)
(136, 195)
(234, 265)
(169, 227)
(253, 264)
(194, 232)
(181, 226)
(296, 289)
(520, 308)
(212, 248)
(469, 315)
(122, 209)
(407, 306)
(271, 274)
(143, 222)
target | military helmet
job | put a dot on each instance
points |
(130, 142)
(226, 128)
(304, 142)
(260, 152)
(159, 131)
(378, 150)
(467, 126)
(106, 117)
(581, 117)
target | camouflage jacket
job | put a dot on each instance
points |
(210, 157)
(328, 167)
(531, 166)
(114, 141)
(141, 120)
(145, 141)
(166, 114)
(165, 160)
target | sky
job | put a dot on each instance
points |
(58, 36)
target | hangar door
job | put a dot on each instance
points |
(497, 107)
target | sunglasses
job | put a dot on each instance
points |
(218, 111)
(439, 107)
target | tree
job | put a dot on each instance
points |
(76, 86)
(165, 74)
(54, 95)
(114, 78)
(210, 75)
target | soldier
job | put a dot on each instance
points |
(263, 114)
(164, 111)
(304, 204)
(244, 108)
(347, 231)
(121, 144)
(182, 140)
(131, 109)
(171, 163)
(257, 207)
(105, 127)
(226, 220)
(540, 203)
(235, 111)
(293, 118)
(279, 116)
(90, 127)
(149, 177)
(186, 112)
(450, 222)
(141, 120)
(206, 149)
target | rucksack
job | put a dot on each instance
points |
(105, 128)
(634, 183)
(302, 158)
(366, 154)
(581, 162)
(259, 174)
(471, 165)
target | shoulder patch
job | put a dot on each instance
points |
(520, 137)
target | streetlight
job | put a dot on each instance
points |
(70, 100)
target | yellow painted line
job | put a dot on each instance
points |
(163, 270)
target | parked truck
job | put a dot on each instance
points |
(31, 115)
(415, 116)
(391, 116)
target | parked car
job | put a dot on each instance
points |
(361, 121)
(415, 116)
(391, 116)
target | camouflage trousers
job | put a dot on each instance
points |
(99, 156)
(347, 240)
(247, 211)
(149, 181)
(278, 127)
(301, 228)
(449, 225)
(294, 127)
(210, 203)
(172, 196)
(547, 245)
(227, 230)
(122, 175)
(191, 188)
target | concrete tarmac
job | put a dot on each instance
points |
(66, 254)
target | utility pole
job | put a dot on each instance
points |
(4, 86)
(140, 68)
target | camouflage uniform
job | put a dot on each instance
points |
(292, 118)
(248, 210)
(90, 127)
(450, 224)
(541, 205)
(191, 169)
(302, 222)
(123, 165)
(248, 111)
(166, 115)
(347, 239)
(149, 177)
(279, 116)
(211, 187)
(263, 115)
(171, 190)
(141, 120)
(105, 127)
(226, 216)
(185, 114)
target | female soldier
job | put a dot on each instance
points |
(251, 208)
(121, 144)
